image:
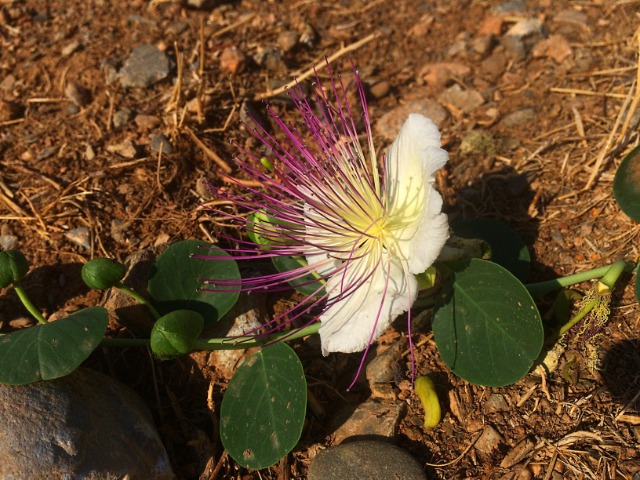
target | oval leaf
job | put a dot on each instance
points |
(507, 248)
(178, 276)
(626, 184)
(486, 326)
(51, 350)
(175, 333)
(264, 407)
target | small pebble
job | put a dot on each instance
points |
(287, 40)
(161, 143)
(8, 242)
(89, 153)
(385, 367)
(495, 403)
(80, 236)
(147, 122)
(519, 118)
(121, 117)
(555, 47)
(390, 123)
(380, 89)
(464, 100)
(232, 60)
(489, 440)
(78, 94)
(71, 48)
(146, 65)
(125, 149)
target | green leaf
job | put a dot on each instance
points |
(486, 326)
(178, 276)
(175, 333)
(263, 409)
(507, 248)
(51, 350)
(626, 184)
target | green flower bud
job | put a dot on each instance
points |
(102, 273)
(13, 267)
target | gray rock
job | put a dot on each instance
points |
(8, 242)
(391, 122)
(522, 37)
(489, 441)
(145, 66)
(364, 460)
(80, 236)
(122, 308)
(247, 315)
(464, 100)
(84, 425)
(160, 143)
(519, 118)
(373, 417)
(495, 403)
(513, 6)
(385, 367)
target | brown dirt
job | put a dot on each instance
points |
(57, 174)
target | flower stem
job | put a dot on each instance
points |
(26, 301)
(237, 343)
(139, 298)
(224, 343)
(540, 288)
(579, 316)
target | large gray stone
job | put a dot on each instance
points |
(364, 460)
(85, 425)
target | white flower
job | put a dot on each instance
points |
(387, 235)
(366, 229)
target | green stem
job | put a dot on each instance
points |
(139, 298)
(611, 277)
(541, 288)
(239, 343)
(224, 343)
(26, 301)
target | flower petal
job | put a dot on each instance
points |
(411, 164)
(353, 321)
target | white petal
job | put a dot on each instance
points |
(348, 324)
(412, 161)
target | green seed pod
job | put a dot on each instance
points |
(13, 267)
(102, 273)
(174, 334)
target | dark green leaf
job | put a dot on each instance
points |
(507, 248)
(309, 285)
(486, 326)
(51, 350)
(174, 334)
(264, 407)
(626, 184)
(177, 278)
